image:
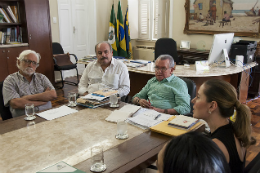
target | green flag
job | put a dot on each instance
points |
(112, 39)
(121, 33)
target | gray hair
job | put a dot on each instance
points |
(111, 49)
(165, 57)
(23, 55)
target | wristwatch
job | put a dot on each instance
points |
(165, 111)
(137, 101)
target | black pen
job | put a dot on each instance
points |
(157, 117)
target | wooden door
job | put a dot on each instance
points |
(12, 54)
(39, 34)
(3, 63)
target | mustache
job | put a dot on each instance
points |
(104, 58)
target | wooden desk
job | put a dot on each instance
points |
(32, 148)
(237, 76)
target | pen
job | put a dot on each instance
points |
(157, 117)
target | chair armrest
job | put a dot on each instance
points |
(55, 61)
(75, 57)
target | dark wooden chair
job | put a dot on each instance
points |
(4, 111)
(62, 62)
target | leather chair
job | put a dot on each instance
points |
(192, 92)
(4, 111)
(166, 46)
(62, 62)
(254, 165)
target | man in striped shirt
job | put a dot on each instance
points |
(26, 86)
(165, 92)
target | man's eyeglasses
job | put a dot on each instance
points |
(161, 69)
(28, 62)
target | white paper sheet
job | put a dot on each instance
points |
(123, 113)
(56, 113)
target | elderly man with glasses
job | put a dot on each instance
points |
(26, 86)
(165, 92)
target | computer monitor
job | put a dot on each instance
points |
(220, 48)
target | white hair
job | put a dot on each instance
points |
(24, 53)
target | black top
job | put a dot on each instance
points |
(226, 135)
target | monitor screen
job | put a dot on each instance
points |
(220, 42)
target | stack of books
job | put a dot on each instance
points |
(96, 99)
(10, 14)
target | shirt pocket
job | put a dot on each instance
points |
(94, 80)
(113, 81)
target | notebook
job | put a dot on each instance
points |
(123, 113)
(182, 121)
(165, 129)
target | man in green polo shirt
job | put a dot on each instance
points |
(165, 92)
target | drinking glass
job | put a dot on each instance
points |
(72, 99)
(113, 100)
(97, 157)
(121, 130)
(29, 111)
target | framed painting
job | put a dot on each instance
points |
(221, 16)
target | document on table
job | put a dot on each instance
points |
(56, 113)
(146, 118)
(61, 167)
(123, 113)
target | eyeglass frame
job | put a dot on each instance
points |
(28, 62)
(161, 69)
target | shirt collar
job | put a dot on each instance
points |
(168, 79)
(21, 76)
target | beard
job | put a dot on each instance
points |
(28, 71)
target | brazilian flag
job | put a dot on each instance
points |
(121, 33)
(127, 37)
(112, 38)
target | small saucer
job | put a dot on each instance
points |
(114, 106)
(30, 118)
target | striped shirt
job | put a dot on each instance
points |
(16, 86)
(170, 93)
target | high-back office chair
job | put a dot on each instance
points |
(254, 165)
(4, 111)
(192, 92)
(166, 46)
(62, 62)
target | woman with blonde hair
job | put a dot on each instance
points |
(215, 103)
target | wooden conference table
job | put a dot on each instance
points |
(30, 146)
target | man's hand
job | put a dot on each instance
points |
(144, 103)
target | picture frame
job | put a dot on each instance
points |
(218, 16)
(185, 44)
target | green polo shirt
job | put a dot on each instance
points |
(171, 92)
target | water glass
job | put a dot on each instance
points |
(29, 111)
(97, 157)
(113, 100)
(121, 130)
(72, 99)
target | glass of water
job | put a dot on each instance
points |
(121, 130)
(72, 99)
(113, 100)
(97, 157)
(29, 111)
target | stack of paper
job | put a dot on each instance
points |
(123, 113)
(56, 113)
(96, 99)
(146, 118)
